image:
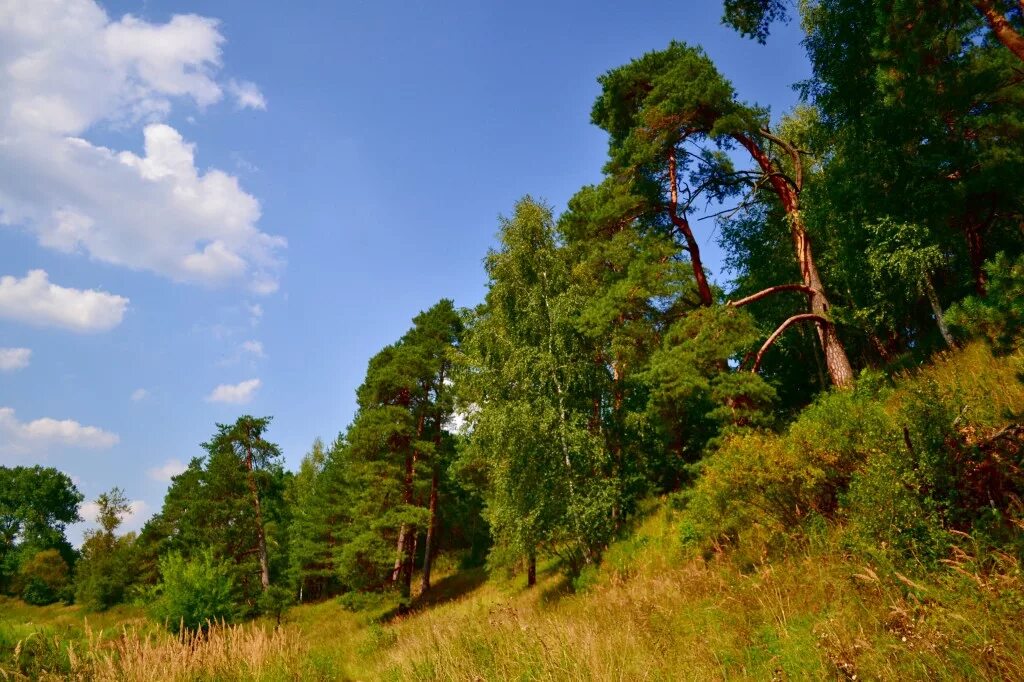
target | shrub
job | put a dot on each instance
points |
(999, 316)
(274, 601)
(762, 484)
(104, 574)
(902, 464)
(45, 578)
(194, 592)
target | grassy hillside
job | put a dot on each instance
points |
(728, 581)
(646, 614)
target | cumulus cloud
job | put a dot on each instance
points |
(14, 358)
(167, 470)
(247, 95)
(139, 394)
(234, 393)
(37, 436)
(36, 300)
(66, 67)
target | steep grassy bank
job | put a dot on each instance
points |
(647, 614)
(855, 544)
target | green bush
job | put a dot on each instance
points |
(102, 578)
(194, 592)
(45, 578)
(999, 316)
(274, 601)
(902, 464)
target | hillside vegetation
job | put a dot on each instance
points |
(791, 597)
(615, 466)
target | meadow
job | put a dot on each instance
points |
(648, 613)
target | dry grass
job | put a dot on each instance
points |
(224, 653)
(648, 615)
(241, 652)
(813, 617)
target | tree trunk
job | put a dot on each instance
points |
(405, 572)
(683, 225)
(396, 572)
(976, 252)
(407, 490)
(431, 541)
(940, 319)
(261, 538)
(1001, 27)
(428, 549)
(788, 192)
(531, 568)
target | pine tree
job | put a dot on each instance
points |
(394, 451)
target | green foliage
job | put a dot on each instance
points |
(230, 503)
(274, 601)
(36, 503)
(393, 455)
(195, 592)
(999, 316)
(694, 390)
(602, 367)
(107, 566)
(45, 578)
(531, 387)
(314, 495)
(753, 18)
(899, 466)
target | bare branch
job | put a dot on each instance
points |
(683, 225)
(768, 292)
(794, 154)
(778, 332)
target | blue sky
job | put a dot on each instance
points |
(348, 164)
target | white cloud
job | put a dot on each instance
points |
(139, 394)
(14, 358)
(39, 435)
(138, 512)
(65, 68)
(247, 95)
(34, 299)
(255, 311)
(167, 470)
(255, 348)
(234, 393)
(89, 511)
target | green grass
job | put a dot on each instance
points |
(649, 613)
(814, 609)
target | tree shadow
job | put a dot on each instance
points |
(447, 589)
(560, 587)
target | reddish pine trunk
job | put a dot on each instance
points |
(261, 538)
(404, 534)
(683, 225)
(838, 364)
(428, 549)
(1001, 27)
(976, 251)
(531, 568)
